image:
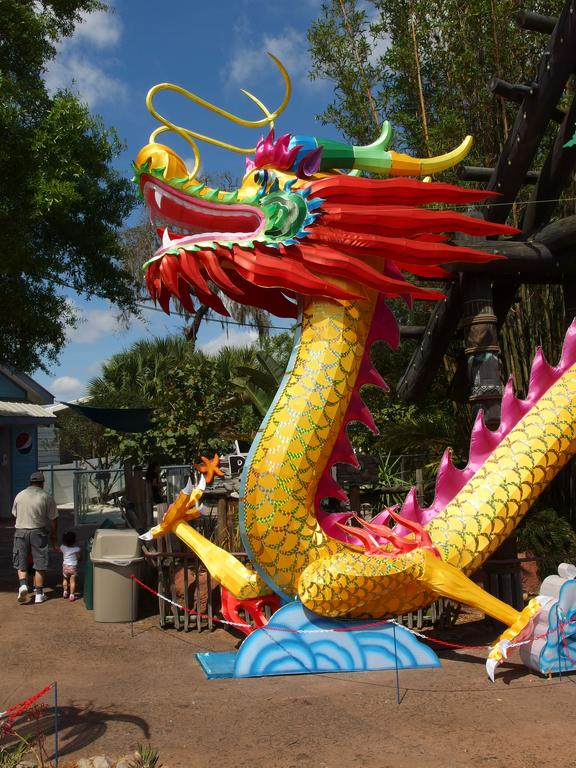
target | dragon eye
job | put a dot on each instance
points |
(261, 177)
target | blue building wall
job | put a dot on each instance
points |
(9, 390)
(24, 455)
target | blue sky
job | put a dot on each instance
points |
(213, 49)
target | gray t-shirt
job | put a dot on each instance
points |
(34, 508)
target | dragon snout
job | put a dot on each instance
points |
(162, 158)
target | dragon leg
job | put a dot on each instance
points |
(448, 581)
(226, 569)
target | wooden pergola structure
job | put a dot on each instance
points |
(481, 295)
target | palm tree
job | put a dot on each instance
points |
(134, 378)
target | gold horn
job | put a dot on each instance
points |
(404, 165)
(190, 136)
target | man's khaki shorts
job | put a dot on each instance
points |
(28, 540)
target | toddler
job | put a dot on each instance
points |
(71, 554)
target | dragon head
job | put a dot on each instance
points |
(301, 223)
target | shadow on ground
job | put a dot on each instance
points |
(79, 726)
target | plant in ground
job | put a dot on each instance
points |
(13, 753)
(146, 757)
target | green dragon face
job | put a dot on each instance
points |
(268, 207)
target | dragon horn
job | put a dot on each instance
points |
(375, 157)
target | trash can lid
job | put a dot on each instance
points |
(110, 544)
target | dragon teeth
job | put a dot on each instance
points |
(166, 241)
(158, 198)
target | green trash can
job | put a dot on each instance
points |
(89, 567)
(88, 576)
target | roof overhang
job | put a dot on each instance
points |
(24, 413)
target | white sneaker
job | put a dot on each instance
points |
(40, 597)
(23, 594)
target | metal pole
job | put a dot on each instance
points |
(55, 686)
(396, 664)
(132, 607)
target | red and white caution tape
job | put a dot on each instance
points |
(371, 625)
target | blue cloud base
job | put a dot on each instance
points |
(298, 642)
(558, 653)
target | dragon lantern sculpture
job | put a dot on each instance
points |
(304, 237)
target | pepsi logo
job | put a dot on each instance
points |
(24, 442)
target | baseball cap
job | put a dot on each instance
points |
(37, 477)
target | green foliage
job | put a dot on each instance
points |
(458, 49)
(259, 383)
(390, 470)
(135, 377)
(195, 411)
(90, 443)
(549, 537)
(61, 202)
(13, 755)
(146, 757)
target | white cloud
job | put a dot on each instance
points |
(76, 72)
(74, 66)
(67, 388)
(102, 29)
(291, 47)
(94, 324)
(230, 338)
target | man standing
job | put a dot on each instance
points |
(36, 519)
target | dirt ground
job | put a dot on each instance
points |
(117, 690)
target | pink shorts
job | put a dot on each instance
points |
(69, 570)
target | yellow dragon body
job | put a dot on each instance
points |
(300, 239)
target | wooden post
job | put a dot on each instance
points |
(221, 521)
(354, 496)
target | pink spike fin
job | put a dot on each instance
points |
(542, 376)
(569, 348)
(359, 411)
(411, 508)
(508, 396)
(369, 375)
(329, 487)
(384, 326)
(482, 442)
(450, 480)
(343, 453)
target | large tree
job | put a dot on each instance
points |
(61, 201)
(424, 65)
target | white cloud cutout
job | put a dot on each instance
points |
(234, 337)
(75, 64)
(67, 388)
(381, 45)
